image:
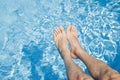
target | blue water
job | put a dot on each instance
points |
(27, 49)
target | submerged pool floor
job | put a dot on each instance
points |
(27, 49)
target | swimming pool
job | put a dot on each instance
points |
(27, 49)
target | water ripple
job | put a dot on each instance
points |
(27, 49)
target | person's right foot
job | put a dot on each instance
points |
(72, 36)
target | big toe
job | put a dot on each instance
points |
(69, 27)
(73, 29)
(61, 29)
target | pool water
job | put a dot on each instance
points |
(27, 49)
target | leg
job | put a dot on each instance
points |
(73, 71)
(98, 69)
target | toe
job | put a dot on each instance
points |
(61, 29)
(54, 34)
(73, 28)
(57, 31)
(55, 37)
(69, 28)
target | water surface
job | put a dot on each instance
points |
(27, 49)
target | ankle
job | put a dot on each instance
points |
(80, 52)
(66, 54)
(67, 59)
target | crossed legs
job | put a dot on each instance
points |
(98, 69)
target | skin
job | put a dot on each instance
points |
(98, 69)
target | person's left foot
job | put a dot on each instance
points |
(61, 41)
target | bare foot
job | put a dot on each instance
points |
(61, 41)
(74, 72)
(72, 36)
